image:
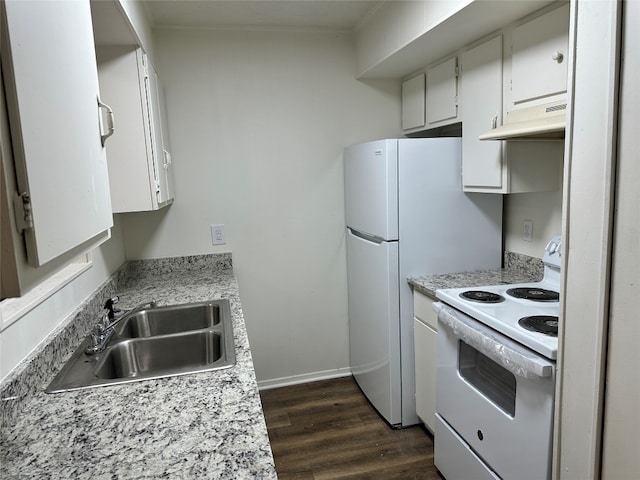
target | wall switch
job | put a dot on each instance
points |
(218, 236)
(527, 231)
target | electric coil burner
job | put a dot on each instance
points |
(535, 294)
(547, 324)
(482, 296)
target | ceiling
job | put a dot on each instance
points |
(289, 14)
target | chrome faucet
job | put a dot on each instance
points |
(103, 330)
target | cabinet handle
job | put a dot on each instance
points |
(494, 122)
(558, 57)
(111, 127)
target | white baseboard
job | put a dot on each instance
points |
(305, 378)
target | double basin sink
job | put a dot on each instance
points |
(154, 343)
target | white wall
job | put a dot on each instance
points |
(20, 338)
(258, 121)
(544, 209)
(139, 20)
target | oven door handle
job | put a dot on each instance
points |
(502, 350)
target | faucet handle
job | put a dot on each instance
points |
(102, 325)
(109, 305)
(95, 339)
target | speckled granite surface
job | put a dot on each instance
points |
(202, 426)
(518, 269)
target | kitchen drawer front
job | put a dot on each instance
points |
(454, 458)
(423, 311)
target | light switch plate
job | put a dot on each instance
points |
(218, 236)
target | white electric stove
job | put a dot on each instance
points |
(495, 382)
(524, 312)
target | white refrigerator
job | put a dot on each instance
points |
(406, 215)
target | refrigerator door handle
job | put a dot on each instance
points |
(365, 236)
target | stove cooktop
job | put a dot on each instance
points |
(504, 307)
(505, 315)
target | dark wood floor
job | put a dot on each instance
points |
(328, 429)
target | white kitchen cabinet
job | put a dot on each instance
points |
(413, 102)
(140, 168)
(442, 93)
(430, 98)
(539, 57)
(481, 99)
(425, 327)
(527, 166)
(52, 139)
(496, 166)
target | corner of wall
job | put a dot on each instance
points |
(141, 23)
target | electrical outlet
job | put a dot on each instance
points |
(527, 231)
(218, 237)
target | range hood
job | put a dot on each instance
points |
(540, 122)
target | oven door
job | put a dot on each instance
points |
(496, 395)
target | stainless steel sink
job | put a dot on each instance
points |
(155, 343)
(172, 319)
(165, 355)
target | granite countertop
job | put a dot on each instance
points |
(518, 269)
(428, 284)
(198, 426)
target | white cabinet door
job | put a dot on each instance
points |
(539, 57)
(166, 161)
(159, 136)
(442, 91)
(481, 100)
(51, 81)
(413, 102)
(425, 347)
(492, 166)
(139, 161)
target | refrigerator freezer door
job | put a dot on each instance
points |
(371, 188)
(374, 322)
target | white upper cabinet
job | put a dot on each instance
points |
(539, 58)
(442, 93)
(161, 136)
(430, 98)
(57, 131)
(495, 166)
(413, 102)
(481, 99)
(140, 170)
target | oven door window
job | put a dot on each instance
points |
(495, 382)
